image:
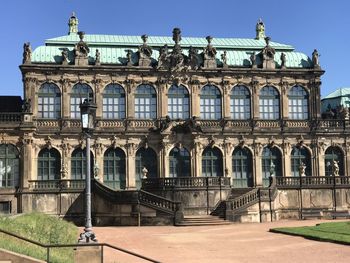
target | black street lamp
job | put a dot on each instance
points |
(88, 115)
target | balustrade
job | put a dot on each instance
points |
(56, 184)
(10, 117)
(185, 182)
(311, 181)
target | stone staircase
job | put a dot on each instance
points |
(202, 220)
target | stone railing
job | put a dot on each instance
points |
(44, 123)
(111, 123)
(158, 202)
(244, 200)
(10, 117)
(185, 182)
(56, 184)
(268, 124)
(312, 181)
(297, 124)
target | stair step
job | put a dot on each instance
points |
(205, 220)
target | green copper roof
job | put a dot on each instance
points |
(339, 93)
(339, 97)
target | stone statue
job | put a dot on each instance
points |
(193, 60)
(27, 53)
(163, 57)
(302, 168)
(335, 168)
(176, 59)
(144, 172)
(224, 59)
(260, 30)
(315, 59)
(97, 58)
(145, 53)
(209, 54)
(81, 51)
(64, 170)
(253, 60)
(268, 54)
(272, 169)
(65, 57)
(128, 58)
(283, 61)
(27, 106)
(96, 171)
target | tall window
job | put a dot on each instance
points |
(212, 162)
(80, 92)
(179, 163)
(271, 163)
(242, 171)
(9, 166)
(113, 102)
(114, 168)
(298, 103)
(145, 158)
(333, 154)
(178, 102)
(240, 103)
(145, 102)
(49, 101)
(78, 164)
(210, 103)
(49, 164)
(269, 103)
(300, 157)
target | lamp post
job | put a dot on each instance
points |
(88, 114)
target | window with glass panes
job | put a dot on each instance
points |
(80, 92)
(178, 102)
(114, 168)
(298, 103)
(271, 157)
(333, 154)
(242, 167)
(240, 103)
(179, 162)
(113, 102)
(49, 164)
(49, 101)
(9, 166)
(269, 103)
(145, 102)
(300, 156)
(210, 103)
(212, 162)
(78, 164)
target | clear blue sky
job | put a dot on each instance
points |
(305, 24)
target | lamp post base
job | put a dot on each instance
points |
(88, 236)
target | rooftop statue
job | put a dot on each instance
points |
(253, 60)
(145, 53)
(27, 53)
(65, 57)
(97, 58)
(129, 58)
(283, 61)
(224, 59)
(315, 59)
(260, 30)
(81, 51)
(209, 54)
(268, 54)
(193, 60)
(73, 24)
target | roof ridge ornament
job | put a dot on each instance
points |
(73, 24)
(260, 30)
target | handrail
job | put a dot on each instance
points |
(244, 200)
(76, 245)
(57, 184)
(312, 181)
(186, 182)
(158, 201)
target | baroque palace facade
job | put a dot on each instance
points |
(242, 110)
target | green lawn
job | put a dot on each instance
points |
(337, 232)
(41, 228)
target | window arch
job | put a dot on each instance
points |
(179, 162)
(271, 163)
(80, 92)
(299, 156)
(49, 101)
(145, 102)
(145, 157)
(178, 102)
(210, 103)
(240, 103)
(114, 168)
(78, 164)
(333, 154)
(212, 162)
(242, 171)
(49, 164)
(9, 166)
(298, 103)
(113, 102)
(269, 103)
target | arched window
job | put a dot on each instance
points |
(210, 103)
(271, 163)
(179, 162)
(114, 168)
(333, 154)
(80, 92)
(49, 164)
(145, 157)
(78, 164)
(300, 157)
(113, 102)
(269, 103)
(212, 162)
(145, 102)
(9, 166)
(242, 171)
(49, 101)
(240, 103)
(298, 103)
(178, 102)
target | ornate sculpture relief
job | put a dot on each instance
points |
(48, 142)
(131, 148)
(268, 54)
(65, 57)
(209, 54)
(65, 146)
(145, 53)
(81, 51)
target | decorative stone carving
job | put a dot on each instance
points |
(209, 54)
(81, 141)
(211, 141)
(253, 60)
(268, 54)
(65, 57)
(131, 148)
(65, 146)
(163, 57)
(193, 59)
(97, 58)
(283, 61)
(224, 59)
(315, 59)
(81, 51)
(98, 146)
(48, 142)
(27, 106)
(114, 142)
(302, 168)
(145, 53)
(27, 53)
(64, 170)
(129, 58)
(335, 168)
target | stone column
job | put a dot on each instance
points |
(198, 159)
(130, 99)
(321, 160)
(226, 101)
(228, 159)
(98, 159)
(195, 98)
(162, 99)
(255, 100)
(99, 86)
(257, 164)
(284, 101)
(27, 161)
(287, 162)
(65, 98)
(130, 166)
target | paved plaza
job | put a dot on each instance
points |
(249, 242)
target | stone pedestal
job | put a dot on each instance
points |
(88, 255)
(81, 61)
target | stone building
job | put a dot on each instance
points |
(225, 113)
